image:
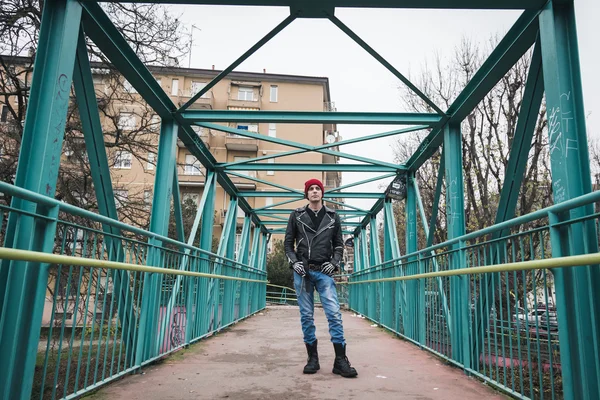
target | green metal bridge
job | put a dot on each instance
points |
(123, 297)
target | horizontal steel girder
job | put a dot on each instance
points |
(328, 4)
(284, 223)
(350, 195)
(308, 167)
(312, 117)
(287, 211)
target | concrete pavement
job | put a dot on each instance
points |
(263, 356)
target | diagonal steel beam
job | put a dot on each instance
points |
(309, 167)
(347, 195)
(240, 60)
(100, 29)
(336, 144)
(515, 43)
(361, 182)
(305, 148)
(384, 62)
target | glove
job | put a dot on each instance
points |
(299, 268)
(328, 268)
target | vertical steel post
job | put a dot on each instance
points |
(455, 214)
(148, 344)
(243, 259)
(23, 284)
(578, 300)
(206, 239)
(228, 285)
(416, 289)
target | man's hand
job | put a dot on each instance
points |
(299, 268)
(328, 268)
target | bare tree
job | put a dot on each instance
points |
(488, 132)
(158, 39)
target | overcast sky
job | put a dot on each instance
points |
(406, 38)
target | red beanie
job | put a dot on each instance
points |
(311, 182)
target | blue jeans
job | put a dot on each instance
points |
(325, 285)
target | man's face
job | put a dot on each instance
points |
(315, 193)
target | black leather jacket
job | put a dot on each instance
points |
(303, 243)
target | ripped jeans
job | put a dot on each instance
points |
(325, 285)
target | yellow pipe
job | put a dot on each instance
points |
(568, 261)
(36, 256)
(283, 287)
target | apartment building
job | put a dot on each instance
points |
(134, 176)
(239, 91)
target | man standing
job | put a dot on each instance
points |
(314, 248)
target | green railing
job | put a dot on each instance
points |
(505, 331)
(277, 294)
(108, 311)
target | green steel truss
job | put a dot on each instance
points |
(546, 25)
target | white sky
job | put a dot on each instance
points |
(406, 38)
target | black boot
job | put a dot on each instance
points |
(341, 365)
(312, 365)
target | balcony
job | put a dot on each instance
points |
(240, 143)
(243, 104)
(205, 102)
(244, 97)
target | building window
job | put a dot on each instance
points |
(247, 127)
(273, 92)
(155, 123)
(196, 87)
(151, 161)
(126, 121)
(192, 165)
(246, 93)
(128, 87)
(236, 159)
(175, 87)
(273, 130)
(271, 161)
(268, 201)
(123, 160)
(121, 196)
(159, 81)
(4, 115)
(148, 198)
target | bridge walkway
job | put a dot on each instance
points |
(262, 358)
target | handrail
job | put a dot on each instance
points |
(544, 212)
(28, 195)
(548, 263)
(283, 287)
(36, 256)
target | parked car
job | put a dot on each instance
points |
(549, 320)
(528, 318)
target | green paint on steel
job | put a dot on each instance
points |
(304, 147)
(384, 62)
(22, 302)
(237, 62)
(309, 167)
(577, 296)
(329, 4)
(312, 117)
